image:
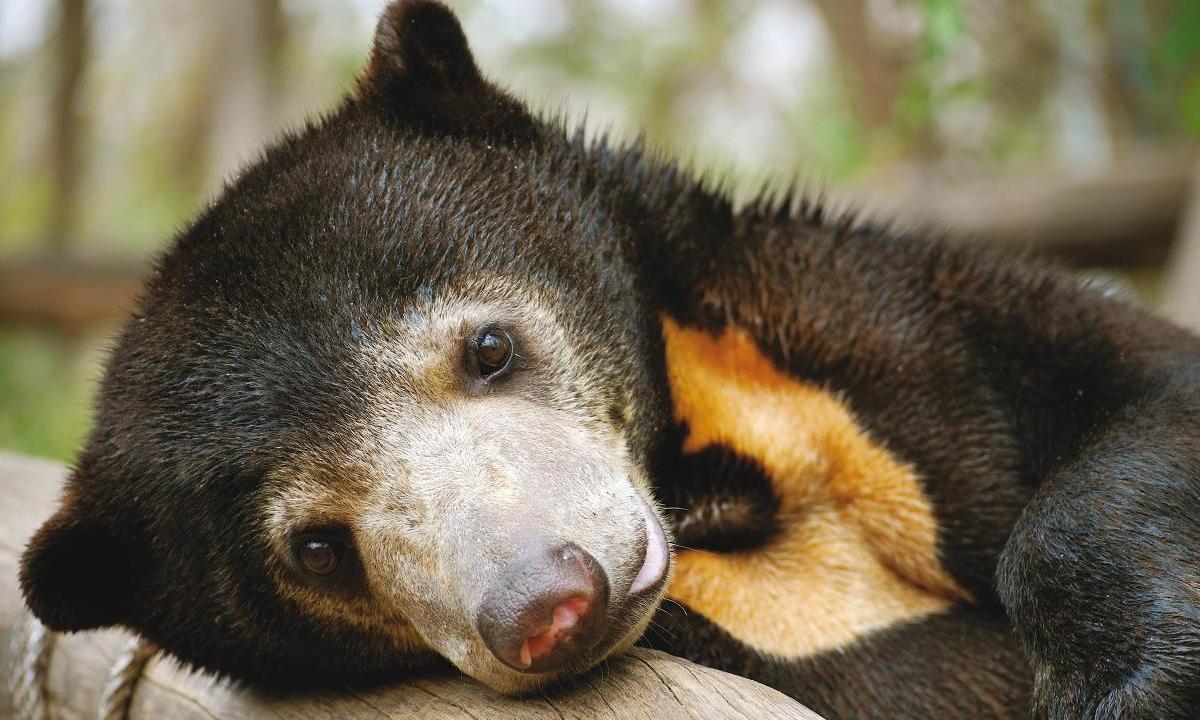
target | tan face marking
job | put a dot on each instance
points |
(858, 546)
(314, 493)
(444, 485)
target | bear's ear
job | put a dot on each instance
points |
(420, 50)
(78, 571)
(421, 71)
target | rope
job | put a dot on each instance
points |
(123, 679)
(32, 644)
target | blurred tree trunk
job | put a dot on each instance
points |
(875, 73)
(1083, 138)
(71, 57)
(244, 79)
(1181, 299)
(1128, 79)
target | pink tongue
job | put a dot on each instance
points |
(655, 563)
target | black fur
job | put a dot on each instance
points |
(961, 664)
(717, 500)
(1053, 427)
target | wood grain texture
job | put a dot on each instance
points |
(642, 684)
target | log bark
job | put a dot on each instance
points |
(640, 684)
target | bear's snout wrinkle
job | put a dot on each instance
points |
(547, 610)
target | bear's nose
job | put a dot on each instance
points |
(547, 609)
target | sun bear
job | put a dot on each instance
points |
(438, 379)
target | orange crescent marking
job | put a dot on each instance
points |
(858, 546)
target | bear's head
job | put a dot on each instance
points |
(391, 397)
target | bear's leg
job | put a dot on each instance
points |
(1101, 575)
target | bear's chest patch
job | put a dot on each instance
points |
(855, 548)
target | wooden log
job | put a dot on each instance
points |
(641, 684)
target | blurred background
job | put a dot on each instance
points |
(1066, 126)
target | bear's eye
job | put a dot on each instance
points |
(319, 556)
(493, 350)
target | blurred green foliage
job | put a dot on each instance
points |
(45, 383)
(1177, 57)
